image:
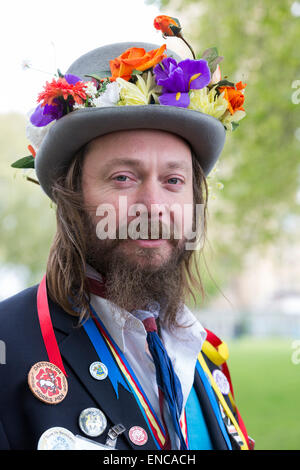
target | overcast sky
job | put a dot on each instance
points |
(51, 34)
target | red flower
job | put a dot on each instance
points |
(61, 87)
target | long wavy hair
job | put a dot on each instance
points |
(66, 266)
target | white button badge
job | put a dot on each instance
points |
(98, 370)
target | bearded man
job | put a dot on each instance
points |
(104, 353)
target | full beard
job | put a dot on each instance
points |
(131, 282)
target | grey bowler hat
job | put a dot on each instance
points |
(204, 133)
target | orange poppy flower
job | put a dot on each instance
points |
(163, 22)
(234, 96)
(135, 58)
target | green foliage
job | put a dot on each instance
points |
(212, 58)
(259, 166)
(103, 85)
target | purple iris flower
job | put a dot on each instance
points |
(177, 79)
(72, 79)
(43, 115)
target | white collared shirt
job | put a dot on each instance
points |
(182, 344)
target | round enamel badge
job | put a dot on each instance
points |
(92, 422)
(98, 370)
(138, 435)
(56, 438)
(47, 382)
(221, 381)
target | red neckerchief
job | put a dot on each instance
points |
(96, 287)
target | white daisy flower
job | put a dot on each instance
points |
(90, 89)
(109, 97)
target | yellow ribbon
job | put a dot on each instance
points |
(222, 401)
(217, 355)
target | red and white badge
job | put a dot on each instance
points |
(138, 435)
(47, 382)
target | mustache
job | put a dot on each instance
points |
(149, 231)
(153, 231)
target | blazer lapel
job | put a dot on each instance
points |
(77, 350)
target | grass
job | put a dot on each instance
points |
(267, 387)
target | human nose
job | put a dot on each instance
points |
(150, 198)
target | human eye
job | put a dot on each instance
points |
(121, 178)
(175, 180)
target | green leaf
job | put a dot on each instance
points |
(234, 125)
(212, 57)
(99, 75)
(60, 74)
(24, 162)
(103, 86)
(136, 72)
(210, 52)
(177, 21)
(223, 83)
(175, 29)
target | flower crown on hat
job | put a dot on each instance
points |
(141, 78)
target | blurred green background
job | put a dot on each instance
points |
(266, 384)
(251, 261)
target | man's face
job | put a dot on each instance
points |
(147, 167)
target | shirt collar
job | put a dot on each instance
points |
(191, 334)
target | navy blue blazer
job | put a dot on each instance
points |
(23, 418)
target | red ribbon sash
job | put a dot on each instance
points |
(47, 328)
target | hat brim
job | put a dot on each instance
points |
(68, 135)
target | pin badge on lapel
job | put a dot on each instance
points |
(221, 381)
(92, 422)
(56, 438)
(138, 435)
(47, 382)
(98, 370)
